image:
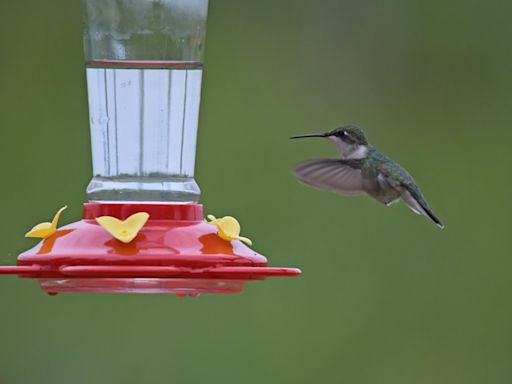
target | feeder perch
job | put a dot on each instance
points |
(143, 229)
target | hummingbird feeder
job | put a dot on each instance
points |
(143, 229)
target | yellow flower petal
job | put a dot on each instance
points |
(245, 240)
(45, 230)
(228, 228)
(124, 230)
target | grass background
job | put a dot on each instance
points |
(386, 297)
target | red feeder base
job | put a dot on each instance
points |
(175, 252)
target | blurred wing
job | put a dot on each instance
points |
(331, 175)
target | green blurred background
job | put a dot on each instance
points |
(386, 297)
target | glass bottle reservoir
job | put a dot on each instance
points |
(144, 70)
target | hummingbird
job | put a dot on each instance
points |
(362, 169)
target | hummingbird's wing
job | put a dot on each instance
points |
(331, 175)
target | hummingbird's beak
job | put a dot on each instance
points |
(310, 135)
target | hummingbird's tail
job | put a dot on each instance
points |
(433, 217)
(415, 200)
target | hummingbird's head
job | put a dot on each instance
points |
(350, 140)
(349, 134)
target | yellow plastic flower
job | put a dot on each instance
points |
(229, 228)
(45, 230)
(124, 230)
